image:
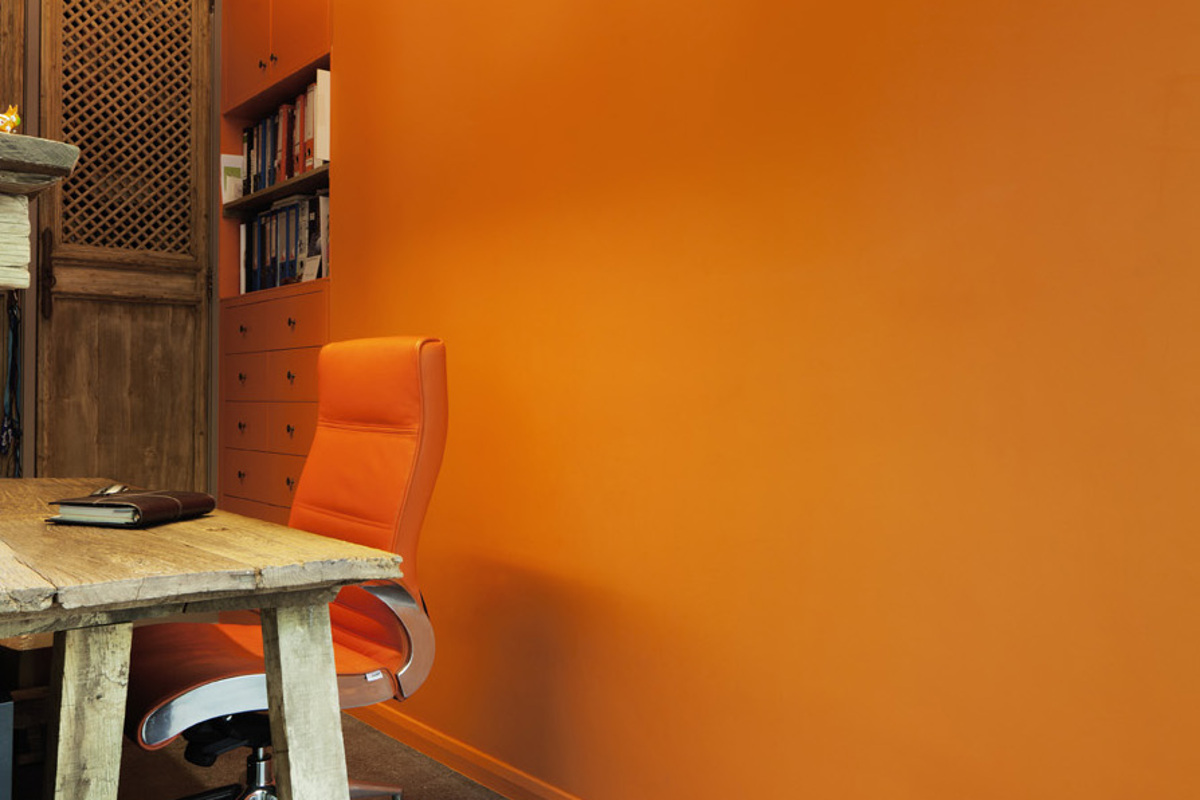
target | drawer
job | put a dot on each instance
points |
(295, 320)
(251, 508)
(265, 477)
(274, 427)
(290, 427)
(243, 329)
(245, 376)
(292, 374)
(287, 375)
(300, 321)
(244, 425)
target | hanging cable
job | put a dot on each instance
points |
(10, 427)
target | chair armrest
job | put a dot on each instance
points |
(410, 612)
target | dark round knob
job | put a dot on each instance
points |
(241, 475)
(241, 426)
(291, 376)
(290, 430)
(241, 377)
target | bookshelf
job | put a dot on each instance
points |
(251, 204)
(269, 338)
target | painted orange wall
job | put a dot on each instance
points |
(825, 385)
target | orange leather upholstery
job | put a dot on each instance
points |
(378, 445)
(370, 472)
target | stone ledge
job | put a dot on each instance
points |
(29, 164)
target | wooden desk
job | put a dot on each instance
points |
(88, 585)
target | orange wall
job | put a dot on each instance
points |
(825, 385)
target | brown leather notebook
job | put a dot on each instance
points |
(134, 509)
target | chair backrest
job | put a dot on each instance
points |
(381, 430)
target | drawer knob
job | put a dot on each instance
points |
(241, 426)
(291, 431)
(291, 484)
(242, 329)
(291, 376)
(291, 322)
(241, 475)
(241, 377)
(262, 64)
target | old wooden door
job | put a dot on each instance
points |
(123, 263)
(12, 84)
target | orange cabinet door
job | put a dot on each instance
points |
(243, 329)
(246, 46)
(246, 376)
(297, 321)
(290, 427)
(252, 508)
(283, 476)
(300, 34)
(246, 425)
(292, 374)
(245, 473)
(263, 477)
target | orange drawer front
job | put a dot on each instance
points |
(244, 425)
(299, 321)
(265, 477)
(250, 508)
(243, 329)
(292, 374)
(273, 427)
(246, 376)
(290, 427)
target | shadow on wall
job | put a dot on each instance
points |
(533, 660)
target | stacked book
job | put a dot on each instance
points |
(289, 142)
(287, 243)
(14, 241)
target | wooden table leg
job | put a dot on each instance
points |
(91, 674)
(306, 720)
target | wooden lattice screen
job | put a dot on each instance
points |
(127, 72)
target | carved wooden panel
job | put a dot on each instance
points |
(127, 75)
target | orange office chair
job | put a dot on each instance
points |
(381, 429)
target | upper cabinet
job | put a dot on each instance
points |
(268, 41)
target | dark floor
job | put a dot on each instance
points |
(370, 756)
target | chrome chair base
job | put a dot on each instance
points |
(359, 790)
(229, 792)
(260, 784)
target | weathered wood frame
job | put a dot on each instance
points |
(12, 90)
(102, 282)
